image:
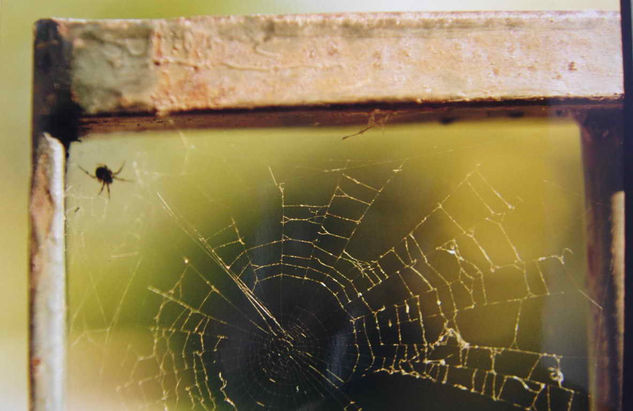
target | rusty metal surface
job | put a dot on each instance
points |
(332, 116)
(213, 63)
(602, 138)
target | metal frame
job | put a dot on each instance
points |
(205, 72)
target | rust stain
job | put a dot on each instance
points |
(41, 215)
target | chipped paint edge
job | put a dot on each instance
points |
(47, 327)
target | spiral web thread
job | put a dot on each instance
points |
(405, 315)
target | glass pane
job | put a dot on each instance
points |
(418, 266)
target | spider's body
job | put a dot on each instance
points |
(105, 176)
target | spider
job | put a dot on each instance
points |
(105, 176)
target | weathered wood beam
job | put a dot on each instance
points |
(244, 62)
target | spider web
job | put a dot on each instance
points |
(316, 273)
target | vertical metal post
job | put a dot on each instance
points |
(627, 60)
(47, 345)
(601, 133)
(54, 116)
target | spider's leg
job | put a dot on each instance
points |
(86, 171)
(121, 179)
(108, 188)
(358, 133)
(102, 186)
(119, 170)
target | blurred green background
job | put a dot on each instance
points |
(124, 251)
(16, 20)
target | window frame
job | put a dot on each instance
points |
(339, 69)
